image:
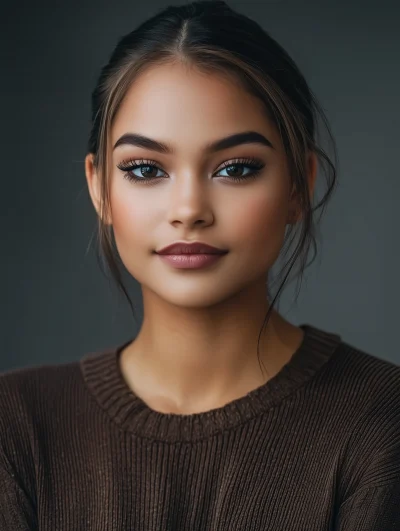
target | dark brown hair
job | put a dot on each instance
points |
(213, 38)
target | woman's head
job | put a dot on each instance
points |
(192, 75)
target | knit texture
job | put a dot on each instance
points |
(317, 447)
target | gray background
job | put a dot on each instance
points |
(57, 305)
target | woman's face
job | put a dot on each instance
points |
(189, 195)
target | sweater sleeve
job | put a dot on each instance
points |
(370, 509)
(17, 476)
(16, 510)
(372, 500)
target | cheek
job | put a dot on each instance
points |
(129, 216)
(259, 221)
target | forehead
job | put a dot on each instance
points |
(172, 102)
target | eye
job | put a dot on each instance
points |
(255, 166)
(147, 169)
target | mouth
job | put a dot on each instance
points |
(195, 248)
(192, 260)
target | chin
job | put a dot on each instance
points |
(197, 298)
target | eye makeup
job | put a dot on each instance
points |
(128, 166)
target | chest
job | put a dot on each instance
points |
(219, 484)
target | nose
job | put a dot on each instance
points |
(190, 202)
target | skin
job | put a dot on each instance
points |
(197, 346)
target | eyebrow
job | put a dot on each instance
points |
(246, 137)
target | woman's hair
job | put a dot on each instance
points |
(213, 38)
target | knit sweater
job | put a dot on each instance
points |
(315, 448)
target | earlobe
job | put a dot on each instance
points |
(93, 183)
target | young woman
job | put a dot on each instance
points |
(220, 414)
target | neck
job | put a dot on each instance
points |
(196, 359)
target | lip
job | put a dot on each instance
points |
(191, 261)
(182, 248)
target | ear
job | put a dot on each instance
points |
(93, 182)
(312, 167)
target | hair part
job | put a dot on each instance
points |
(214, 39)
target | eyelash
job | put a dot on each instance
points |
(128, 165)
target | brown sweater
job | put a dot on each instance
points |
(315, 448)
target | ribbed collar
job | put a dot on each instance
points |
(104, 380)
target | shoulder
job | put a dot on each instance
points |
(24, 386)
(367, 381)
(30, 397)
(361, 392)
(367, 389)
(376, 385)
